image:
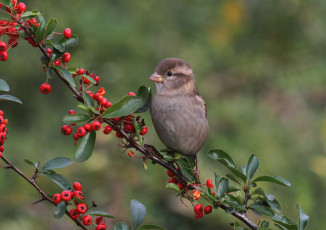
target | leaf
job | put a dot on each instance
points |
(4, 86)
(56, 53)
(238, 173)
(31, 14)
(58, 179)
(237, 226)
(173, 186)
(221, 156)
(217, 179)
(73, 41)
(66, 74)
(264, 224)
(262, 209)
(150, 226)
(75, 118)
(186, 169)
(85, 108)
(125, 106)
(121, 226)
(285, 222)
(40, 29)
(30, 163)
(88, 100)
(50, 73)
(145, 96)
(60, 210)
(138, 212)
(6, 2)
(6, 97)
(222, 187)
(57, 46)
(231, 177)
(233, 188)
(273, 179)
(89, 78)
(234, 202)
(275, 205)
(252, 166)
(84, 147)
(101, 213)
(57, 162)
(50, 27)
(303, 218)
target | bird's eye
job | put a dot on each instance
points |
(169, 73)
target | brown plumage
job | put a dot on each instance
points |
(178, 111)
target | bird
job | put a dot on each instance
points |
(177, 110)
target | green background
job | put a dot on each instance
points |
(260, 66)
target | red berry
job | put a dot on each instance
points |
(49, 51)
(81, 131)
(82, 208)
(66, 57)
(99, 219)
(13, 42)
(143, 131)
(173, 180)
(209, 184)
(180, 185)
(80, 71)
(32, 21)
(57, 62)
(14, 2)
(100, 227)
(96, 125)
(129, 128)
(85, 80)
(76, 137)
(170, 174)
(74, 213)
(77, 186)
(131, 94)
(118, 135)
(198, 209)
(65, 195)
(66, 130)
(0, 5)
(8, 9)
(79, 194)
(71, 112)
(67, 33)
(87, 220)
(45, 88)
(20, 8)
(3, 56)
(197, 216)
(0, 154)
(2, 148)
(208, 209)
(3, 46)
(56, 198)
(12, 32)
(107, 129)
(87, 127)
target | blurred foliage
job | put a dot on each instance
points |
(258, 64)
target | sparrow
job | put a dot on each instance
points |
(178, 111)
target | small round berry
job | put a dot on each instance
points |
(129, 128)
(118, 135)
(77, 186)
(173, 180)
(49, 51)
(87, 127)
(65, 195)
(198, 209)
(143, 130)
(67, 33)
(180, 185)
(66, 130)
(71, 112)
(107, 129)
(3, 46)
(100, 227)
(96, 125)
(200, 215)
(13, 42)
(170, 174)
(57, 62)
(74, 213)
(208, 209)
(99, 219)
(56, 198)
(87, 220)
(20, 7)
(2, 149)
(14, 2)
(81, 131)
(80, 71)
(76, 137)
(131, 94)
(45, 88)
(79, 194)
(131, 153)
(81, 208)
(209, 184)
(3, 56)
(66, 57)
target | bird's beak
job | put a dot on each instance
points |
(156, 77)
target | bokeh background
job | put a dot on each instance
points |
(260, 66)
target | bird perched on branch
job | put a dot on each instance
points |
(178, 111)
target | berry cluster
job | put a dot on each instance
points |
(80, 208)
(3, 131)
(9, 28)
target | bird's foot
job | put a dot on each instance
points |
(197, 171)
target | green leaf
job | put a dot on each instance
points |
(89, 78)
(40, 29)
(264, 224)
(273, 179)
(125, 106)
(6, 2)
(56, 53)
(233, 188)
(75, 118)
(66, 74)
(149, 227)
(145, 96)
(285, 222)
(73, 41)
(303, 218)
(261, 209)
(101, 213)
(217, 179)
(84, 147)
(138, 212)
(173, 186)
(60, 210)
(31, 14)
(252, 166)
(88, 100)
(238, 173)
(275, 205)
(50, 73)
(30, 163)
(222, 187)
(4, 86)
(186, 169)
(6, 97)
(57, 162)
(168, 157)
(237, 226)
(121, 226)
(223, 157)
(231, 177)
(50, 27)
(58, 179)
(57, 46)
(234, 202)
(85, 108)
